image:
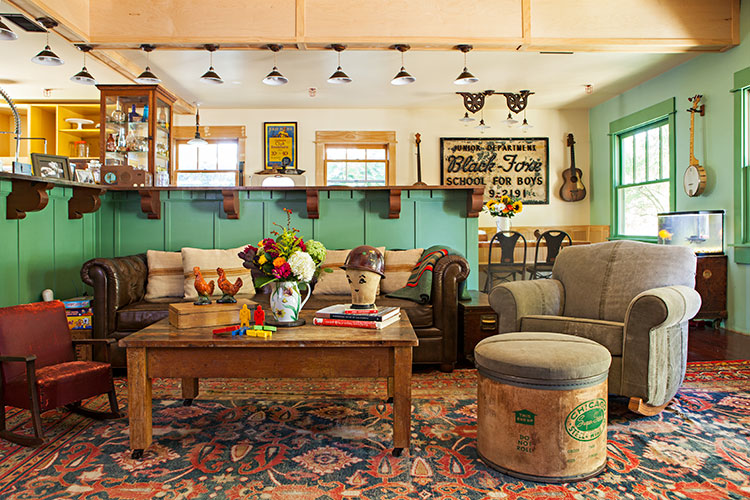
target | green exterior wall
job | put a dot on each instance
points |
(711, 75)
(46, 250)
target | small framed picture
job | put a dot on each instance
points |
(280, 145)
(53, 166)
(22, 168)
(85, 176)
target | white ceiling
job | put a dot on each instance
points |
(558, 80)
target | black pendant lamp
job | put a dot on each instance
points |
(197, 140)
(147, 77)
(402, 77)
(339, 76)
(83, 77)
(6, 34)
(275, 77)
(211, 76)
(46, 57)
(465, 78)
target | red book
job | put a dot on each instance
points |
(350, 323)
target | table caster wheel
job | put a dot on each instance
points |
(187, 402)
(389, 400)
(137, 454)
(397, 452)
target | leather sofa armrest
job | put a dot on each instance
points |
(448, 273)
(512, 301)
(654, 351)
(116, 283)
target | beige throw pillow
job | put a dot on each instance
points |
(208, 261)
(335, 283)
(165, 275)
(398, 266)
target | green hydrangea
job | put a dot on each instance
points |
(316, 250)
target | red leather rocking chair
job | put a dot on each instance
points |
(38, 370)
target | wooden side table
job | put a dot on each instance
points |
(476, 321)
(711, 284)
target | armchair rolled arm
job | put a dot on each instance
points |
(448, 273)
(654, 351)
(512, 301)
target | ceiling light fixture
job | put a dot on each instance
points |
(197, 140)
(211, 76)
(46, 57)
(466, 118)
(83, 77)
(275, 77)
(525, 125)
(339, 76)
(147, 77)
(465, 78)
(482, 126)
(6, 33)
(402, 77)
(510, 121)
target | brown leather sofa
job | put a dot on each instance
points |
(119, 308)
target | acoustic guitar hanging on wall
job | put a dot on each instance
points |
(572, 188)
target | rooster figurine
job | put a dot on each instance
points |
(227, 287)
(204, 289)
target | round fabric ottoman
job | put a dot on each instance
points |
(542, 405)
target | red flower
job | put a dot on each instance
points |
(283, 271)
(302, 245)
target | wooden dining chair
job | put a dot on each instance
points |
(507, 269)
(553, 241)
(38, 370)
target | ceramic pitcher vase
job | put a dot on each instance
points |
(286, 301)
(503, 223)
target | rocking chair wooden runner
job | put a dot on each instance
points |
(38, 370)
(507, 268)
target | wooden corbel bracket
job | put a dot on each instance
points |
(312, 204)
(474, 201)
(394, 203)
(27, 196)
(231, 204)
(151, 203)
(85, 200)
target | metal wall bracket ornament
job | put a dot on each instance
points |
(474, 102)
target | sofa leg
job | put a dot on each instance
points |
(446, 367)
(636, 405)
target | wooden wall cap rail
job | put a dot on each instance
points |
(85, 200)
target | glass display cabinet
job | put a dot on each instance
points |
(136, 130)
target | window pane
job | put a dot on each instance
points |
(665, 151)
(188, 156)
(376, 154)
(336, 171)
(192, 179)
(227, 155)
(654, 154)
(207, 157)
(639, 206)
(355, 172)
(356, 154)
(336, 153)
(640, 157)
(376, 171)
(626, 150)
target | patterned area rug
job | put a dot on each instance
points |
(286, 439)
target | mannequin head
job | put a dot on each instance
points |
(364, 269)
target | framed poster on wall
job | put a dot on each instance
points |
(280, 145)
(517, 167)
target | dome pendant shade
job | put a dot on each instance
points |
(212, 77)
(275, 78)
(403, 78)
(525, 126)
(6, 33)
(83, 77)
(339, 76)
(510, 120)
(466, 118)
(147, 77)
(465, 78)
(197, 140)
(482, 127)
(47, 58)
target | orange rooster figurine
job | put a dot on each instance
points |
(227, 287)
(204, 289)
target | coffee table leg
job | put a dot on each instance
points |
(389, 389)
(401, 399)
(139, 401)
(189, 390)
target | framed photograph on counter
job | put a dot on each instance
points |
(280, 145)
(56, 167)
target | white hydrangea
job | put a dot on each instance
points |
(302, 265)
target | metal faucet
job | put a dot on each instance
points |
(17, 120)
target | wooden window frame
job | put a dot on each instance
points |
(326, 138)
(742, 166)
(211, 134)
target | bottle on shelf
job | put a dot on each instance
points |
(144, 118)
(111, 145)
(133, 117)
(117, 115)
(162, 117)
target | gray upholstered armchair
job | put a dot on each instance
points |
(633, 298)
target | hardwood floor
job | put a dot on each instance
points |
(707, 344)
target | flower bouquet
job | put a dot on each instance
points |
(503, 209)
(285, 261)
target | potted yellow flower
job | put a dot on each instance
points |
(502, 210)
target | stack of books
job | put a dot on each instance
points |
(344, 315)
(79, 313)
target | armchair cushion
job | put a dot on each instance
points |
(607, 333)
(517, 299)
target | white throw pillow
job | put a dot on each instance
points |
(165, 275)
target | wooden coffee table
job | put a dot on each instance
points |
(308, 351)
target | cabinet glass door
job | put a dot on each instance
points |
(127, 134)
(162, 143)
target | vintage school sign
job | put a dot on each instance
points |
(516, 167)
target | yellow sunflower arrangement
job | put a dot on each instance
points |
(504, 207)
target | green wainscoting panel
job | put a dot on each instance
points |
(9, 268)
(394, 234)
(342, 219)
(134, 232)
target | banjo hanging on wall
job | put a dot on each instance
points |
(694, 180)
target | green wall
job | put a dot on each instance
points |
(46, 250)
(712, 76)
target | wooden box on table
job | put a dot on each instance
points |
(189, 315)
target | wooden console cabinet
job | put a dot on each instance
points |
(476, 321)
(711, 284)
